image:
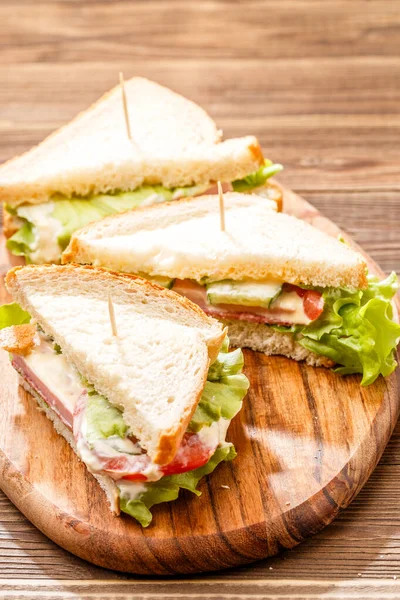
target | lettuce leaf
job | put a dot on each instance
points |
(23, 241)
(13, 314)
(257, 179)
(356, 329)
(76, 212)
(225, 388)
(221, 399)
(167, 488)
(103, 419)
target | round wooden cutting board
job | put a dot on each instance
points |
(307, 441)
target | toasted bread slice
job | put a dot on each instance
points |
(154, 369)
(183, 240)
(174, 143)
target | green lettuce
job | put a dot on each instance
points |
(356, 329)
(257, 179)
(76, 212)
(167, 488)
(13, 314)
(103, 419)
(22, 243)
(225, 388)
(222, 399)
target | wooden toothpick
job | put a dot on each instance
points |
(221, 207)
(112, 316)
(124, 102)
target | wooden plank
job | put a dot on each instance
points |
(273, 589)
(252, 29)
(372, 219)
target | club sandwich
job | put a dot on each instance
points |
(145, 399)
(280, 285)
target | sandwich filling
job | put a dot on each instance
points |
(44, 230)
(353, 328)
(102, 437)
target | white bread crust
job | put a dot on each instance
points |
(261, 338)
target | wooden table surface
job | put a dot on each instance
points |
(318, 83)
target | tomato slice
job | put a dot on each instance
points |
(135, 477)
(290, 287)
(192, 454)
(313, 304)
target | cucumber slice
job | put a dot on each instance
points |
(166, 282)
(244, 293)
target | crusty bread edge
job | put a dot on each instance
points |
(170, 440)
(291, 350)
(106, 483)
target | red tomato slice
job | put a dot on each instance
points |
(313, 304)
(136, 477)
(127, 465)
(192, 454)
(290, 287)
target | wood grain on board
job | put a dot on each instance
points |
(318, 83)
(307, 441)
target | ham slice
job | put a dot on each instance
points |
(62, 411)
(280, 314)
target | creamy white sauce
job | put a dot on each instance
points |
(56, 373)
(293, 304)
(46, 229)
(215, 434)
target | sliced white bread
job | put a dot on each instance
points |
(174, 143)
(154, 369)
(184, 240)
(261, 338)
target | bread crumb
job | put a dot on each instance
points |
(359, 574)
(226, 487)
(287, 503)
(270, 568)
